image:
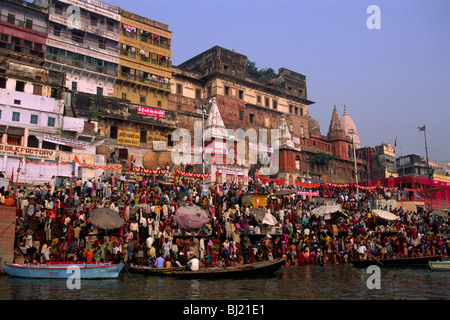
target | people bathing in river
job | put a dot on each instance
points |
(151, 234)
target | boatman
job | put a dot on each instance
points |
(193, 264)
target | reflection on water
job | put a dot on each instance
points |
(336, 282)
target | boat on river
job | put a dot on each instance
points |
(413, 262)
(64, 270)
(148, 270)
(440, 265)
(262, 268)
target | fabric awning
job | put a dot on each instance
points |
(14, 131)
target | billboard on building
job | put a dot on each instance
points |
(130, 138)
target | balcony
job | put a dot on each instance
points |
(83, 42)
(23, 24)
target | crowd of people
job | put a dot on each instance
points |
(47, 231)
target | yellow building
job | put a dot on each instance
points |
(144, 61)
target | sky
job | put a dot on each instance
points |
(391, 80)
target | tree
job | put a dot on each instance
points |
(93, 112)
(321, 158)
(265, 74)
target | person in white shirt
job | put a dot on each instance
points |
(193, 264)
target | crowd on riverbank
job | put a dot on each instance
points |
(46, 231)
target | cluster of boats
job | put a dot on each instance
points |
(108, 270)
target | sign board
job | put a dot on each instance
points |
(65, 141)
(151, 112)
(159, 146)
(27, 152)
(128, 137)
(307, 193)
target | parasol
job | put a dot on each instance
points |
(258, 213)
(385, 214)
(191, 217)
(105, 218)
(323, 210)
(441, 213)
(269, 219)
(281, 193)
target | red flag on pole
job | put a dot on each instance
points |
(421, 128)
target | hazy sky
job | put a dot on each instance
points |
(392, 80)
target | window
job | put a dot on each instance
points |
(178, 107)
(51, 122)
(143, 136)
(53, 93)
(124, 96)
(290, 108)
(267, 102)
(227, 91)
(20, 86)
(3, 83)
(113, 132)
(16, 116)
(17, 101)
(74, 85)
(11, 18)
(77, 35)
(241, 115)
(251, 118)
(258, 99)
(57, 30)
(29, 24)
(142, 99)
(159, 104)
(99, 91)
(275, 103)
(241, 94)
(296, 110)
(34, 119)
(198, 94)
(301, 112)
(179, 89)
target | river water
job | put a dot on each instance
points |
(311, 282)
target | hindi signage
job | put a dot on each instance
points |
(65, 141)
(128, 137)
(151, 112)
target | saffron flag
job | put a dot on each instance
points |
(421, 128)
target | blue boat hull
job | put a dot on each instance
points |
(64, 271)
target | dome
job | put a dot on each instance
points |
(313, 126)
(349, 125)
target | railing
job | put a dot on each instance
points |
(89, 44)
(106, 30)
(23, 24)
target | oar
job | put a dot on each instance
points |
(376, 259)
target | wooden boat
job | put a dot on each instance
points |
(263, 268)
(415, 262)
(154, 271)
(439, 265)
(62, 270)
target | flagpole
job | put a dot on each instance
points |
(71, 183)
(18, 170)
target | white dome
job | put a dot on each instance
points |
(349, 125)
